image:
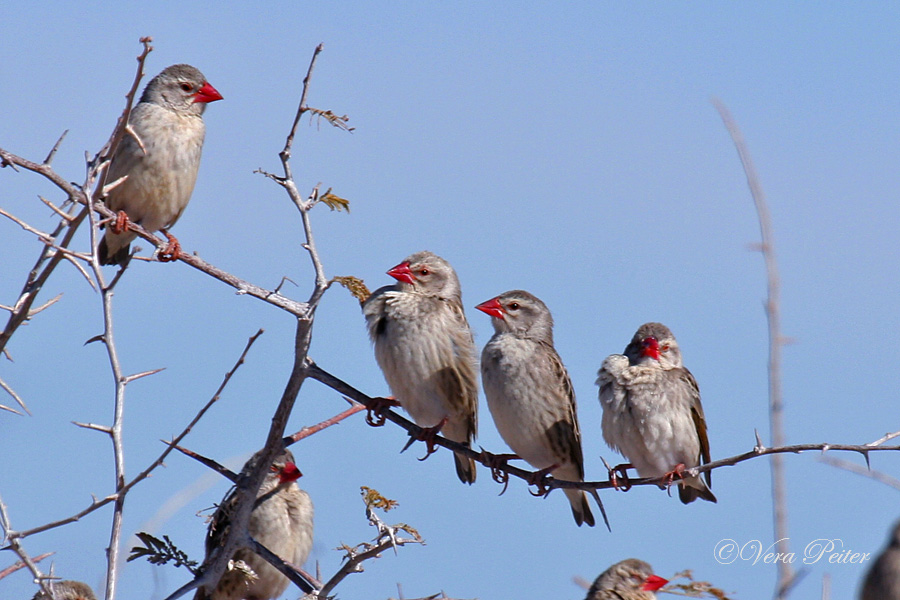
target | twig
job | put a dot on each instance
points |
(308, 431)
(887, 437)
(10, 536)
(21, 565)
(15, 396)
(776, 406)
(203, 460)
(864, 471)
(299, 579)
(387, 538)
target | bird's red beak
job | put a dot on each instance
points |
(492, 307)
(650, 348)
(289, 473)
(207, 94)
(653, 583)
(402, 273)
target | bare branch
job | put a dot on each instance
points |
(887, 437)
(94, 427)
(550, 483)
(860, 470)
(293, 573)
(56, 146)
(388, 537)
(308, 431)
(10, 535)
(131, 378)
(212, 464)
(776, 406)
(21, 565)
(15, 396)
(159, 461)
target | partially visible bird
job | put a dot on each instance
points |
(529, 392)
(882, 582)
(425, 349)
(652, 413)
(630, 579)
(67, 590)
(160, 155)
(282, 521)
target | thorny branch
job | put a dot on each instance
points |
(388, 537)
(98, 503)
(550, 483)
(248, 484)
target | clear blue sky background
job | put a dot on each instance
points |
(569, 149)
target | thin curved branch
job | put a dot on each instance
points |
(776, 341)
(549, 482)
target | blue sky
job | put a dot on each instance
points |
(567, 149)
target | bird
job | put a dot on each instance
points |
(630, 579)
(652, 413)
(282, 521)
(426, 351)
(882, 581)
(529, 392)
(67, 590)
(160, 155)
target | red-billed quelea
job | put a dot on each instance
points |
(529, 392)
(651, 410)
(882, 582)
(424, 347)
(282, 521)
(67, 590)
(630, 579)
(160, 155)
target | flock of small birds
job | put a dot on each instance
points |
(651, 403)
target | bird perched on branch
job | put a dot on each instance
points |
(425, 349)
(67, 590)
(630, 579)
(282, 521)
(652, 413)
(882, 582)
(160, 154)
(529, 392)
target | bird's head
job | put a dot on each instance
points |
(427, 273)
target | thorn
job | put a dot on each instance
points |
(759, 443)
(131, 378)
(96, 338)
(602, 510)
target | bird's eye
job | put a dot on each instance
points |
(185, 86)
(513, 306)
(273, 469)
(664, 348)
(423, 272)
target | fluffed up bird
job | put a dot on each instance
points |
(630, 579)
(651, 410)
(160, 155)
(529, 392)
(67, 590)
(425, 349)
(882, 582)
(282, 521)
